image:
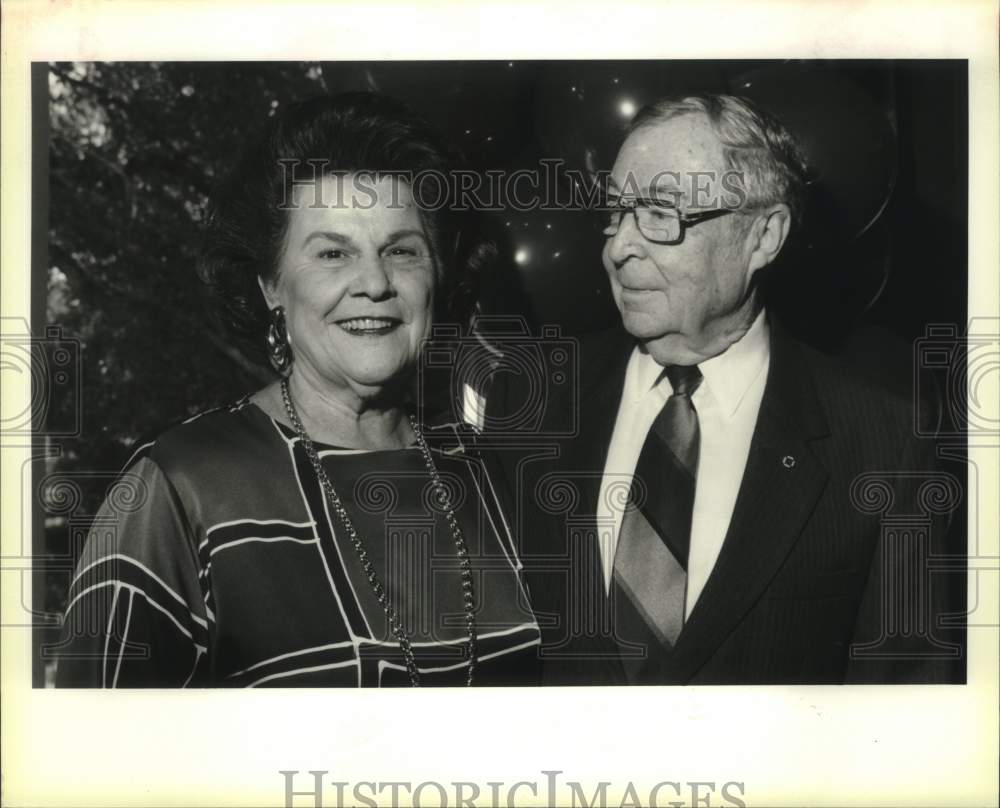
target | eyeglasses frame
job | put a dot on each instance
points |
(685, 220)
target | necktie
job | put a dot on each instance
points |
(649, 581)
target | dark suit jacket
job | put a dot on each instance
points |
(831, 567)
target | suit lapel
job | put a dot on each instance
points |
(781, 485)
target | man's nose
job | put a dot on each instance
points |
(627, 242)
(373, 280)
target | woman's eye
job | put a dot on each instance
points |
(332, 254)
(407, 252)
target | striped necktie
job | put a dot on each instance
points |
(649, 583)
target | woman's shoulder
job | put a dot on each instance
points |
(458, 440)
(232, 431)
(451, 435)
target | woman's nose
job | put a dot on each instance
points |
(373, 280)
(627, 242)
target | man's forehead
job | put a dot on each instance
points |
(658, 155)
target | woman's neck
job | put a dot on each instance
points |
(329, 418)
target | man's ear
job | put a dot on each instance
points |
(270, 291)
(768, 235)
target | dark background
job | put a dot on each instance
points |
(127, 154)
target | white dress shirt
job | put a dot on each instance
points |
(727, 403)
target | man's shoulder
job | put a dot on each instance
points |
(865, 385)
(603, 355)
(549, 380)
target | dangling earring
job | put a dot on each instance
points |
(279, 347)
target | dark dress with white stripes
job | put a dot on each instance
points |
(215, 561)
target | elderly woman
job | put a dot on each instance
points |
(315, 533)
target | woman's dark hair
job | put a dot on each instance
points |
(348, 133)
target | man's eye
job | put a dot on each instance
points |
(332, 254)
(659, 214)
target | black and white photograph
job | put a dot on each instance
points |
(647, 383)
(621, 392)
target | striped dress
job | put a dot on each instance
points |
(215, 561)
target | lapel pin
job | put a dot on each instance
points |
(788, 461)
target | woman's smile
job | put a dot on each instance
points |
(369, 326)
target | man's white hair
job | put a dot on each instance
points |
(755, 144)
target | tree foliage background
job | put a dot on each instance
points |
(134, 149)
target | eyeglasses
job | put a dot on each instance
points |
(658, 221)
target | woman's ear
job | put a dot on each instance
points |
(270, 291)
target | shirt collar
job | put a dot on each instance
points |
(727, 376)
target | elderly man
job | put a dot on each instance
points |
(722, 528)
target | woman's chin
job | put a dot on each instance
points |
(376, 385)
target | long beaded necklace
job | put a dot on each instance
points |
(392, 618)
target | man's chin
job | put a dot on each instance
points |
(644, 326)
(667, 348)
